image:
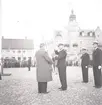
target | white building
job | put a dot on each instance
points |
(78, 38)
(19, 49)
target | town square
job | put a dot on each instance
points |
(21, 89)
(50, 52)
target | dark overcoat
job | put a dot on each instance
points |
(61, 59)
(85, 59)
(44, 66)
(97, 57)
(97, 61)
(85, 62)
(61, 64)
(29, 62)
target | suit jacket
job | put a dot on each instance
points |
(44, 66)
(61, 58)
(97, 57)
(85, 59)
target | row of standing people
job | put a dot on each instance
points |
(96, 63)
(44, 66)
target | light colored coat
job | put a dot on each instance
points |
(44, 66)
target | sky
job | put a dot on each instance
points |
(38, 19)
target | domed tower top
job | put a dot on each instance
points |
(72, 17)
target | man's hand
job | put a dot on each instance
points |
(56, 55)
(86, 66)
(99, 67)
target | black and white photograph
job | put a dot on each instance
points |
(50, 52)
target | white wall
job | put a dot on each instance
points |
(10, 53)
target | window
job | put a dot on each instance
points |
(29, 58)
(24, 58)
(19, 51)
(91, 34)
(82, 33)
(66, 45)
(23, 51)
(13, 57)
(81, 42)
(13, 51)
(8, 50)
(19, 58)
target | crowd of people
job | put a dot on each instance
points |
(44, 66)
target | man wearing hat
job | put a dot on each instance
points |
(44, 69)
(97, 65)
(85, 64)
(61, 64)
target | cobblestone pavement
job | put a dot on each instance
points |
(21, 89)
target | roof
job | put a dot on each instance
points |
(86, 31)
(17, 44)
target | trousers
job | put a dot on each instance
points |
(85, 74)
(42, 87)
(62, 76)
(97, 76)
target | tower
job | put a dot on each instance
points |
(58, 37)
(73, 32)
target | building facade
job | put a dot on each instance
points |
(19, 49)
(77, 38)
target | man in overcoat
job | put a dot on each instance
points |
(85, 64)
(61, 64)
(44, 68)
(97, 65)
(29, 63)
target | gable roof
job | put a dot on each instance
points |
(17, 44)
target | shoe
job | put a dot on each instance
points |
(84, 81)
(60, 88)
(97, 86)
(45, 92)
(63, 89)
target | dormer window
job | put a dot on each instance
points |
(82, 33)
(91, 33)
